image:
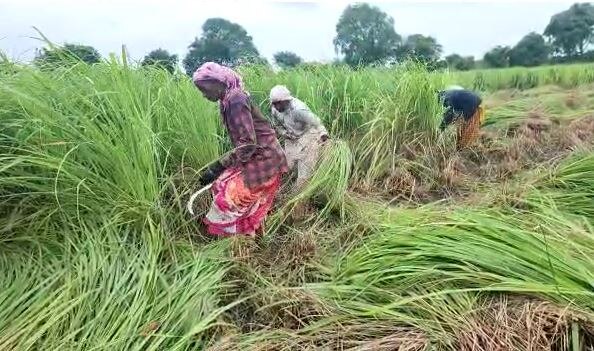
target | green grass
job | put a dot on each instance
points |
(97, 251)
(101, 141)
(102, 291)
(566, 76)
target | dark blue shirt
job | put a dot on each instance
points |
(458, 103)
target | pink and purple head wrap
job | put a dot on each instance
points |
(214, 71)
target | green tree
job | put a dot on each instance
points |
(497, 57)
(467, 64)
(287, 59)
(438, 65)
(365, 35)
(223, 42)
(571, 31)
(160, 58)
(422, 48)
(254, 61)
(454, 60)
(532, 50)
(67, 55)
(460, 63)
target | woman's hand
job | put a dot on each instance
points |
(211, 173)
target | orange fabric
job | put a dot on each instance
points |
(239, 194)
(237, 209)
(468, 131)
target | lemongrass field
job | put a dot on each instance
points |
(405, 244)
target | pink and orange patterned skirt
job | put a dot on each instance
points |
(236, 209)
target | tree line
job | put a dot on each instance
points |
(365, 35)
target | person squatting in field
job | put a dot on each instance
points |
(247, 179)
(463, 107)
(301, 129)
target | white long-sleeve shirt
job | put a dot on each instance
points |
(296, 120)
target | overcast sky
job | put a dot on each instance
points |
(305, 28)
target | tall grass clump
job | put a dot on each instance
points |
(375, 110)
(93, 174)
(343, 98)
(521, 78)
(409, 113)
(101, 141)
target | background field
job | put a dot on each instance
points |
(406, 244)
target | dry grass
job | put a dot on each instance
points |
(579, 133)
(351, 337)
(497, 324)
(515, 324)
(498, 157)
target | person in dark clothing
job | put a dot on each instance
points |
(463, 107)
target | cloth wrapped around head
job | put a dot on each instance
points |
(214, 71)
(454, 87)
(280, 93)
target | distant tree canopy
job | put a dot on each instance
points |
(437, 65)
(67, 55)
(223, 42)
(459, 63)
(422, 48)
(571, 31)
(365, 35)
(287, 59)
(160, 58)
(532, 50)
(497, 57)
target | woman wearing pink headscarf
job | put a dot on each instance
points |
(248, 178)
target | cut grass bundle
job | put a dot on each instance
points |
(422, 271)
(102, 291)
(569, 187)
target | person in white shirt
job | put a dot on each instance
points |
(301, 129)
